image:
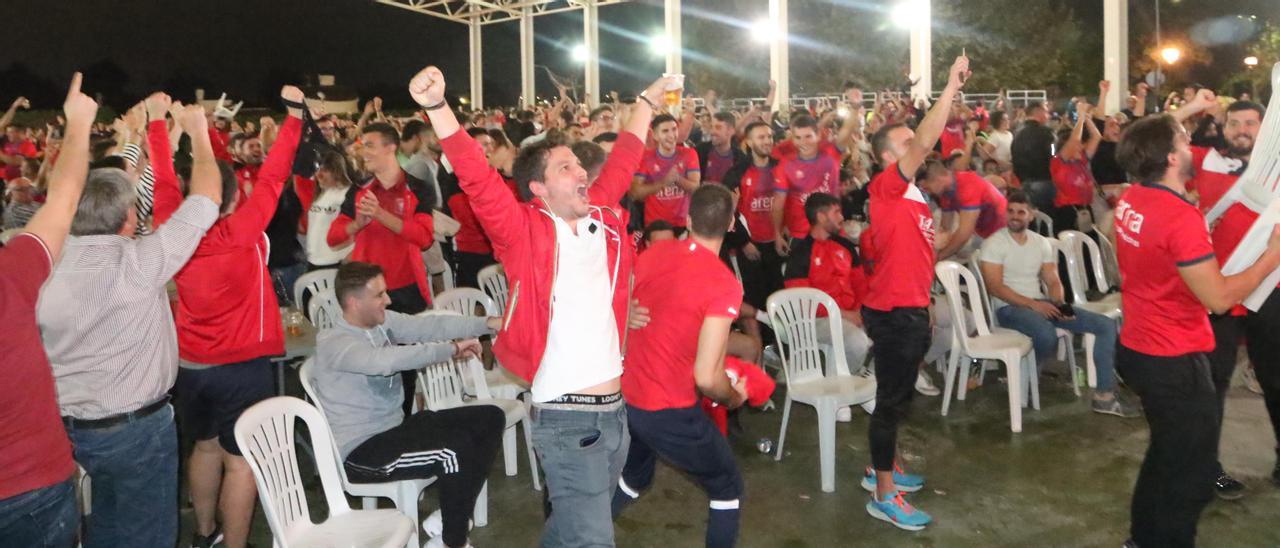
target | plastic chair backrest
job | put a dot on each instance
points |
(1043, 223)
(793, 313)
(265, 433)
(1073, 248)
(441, 385)
(304, 377)
(446, 273)
(975, 265)
(493, 280)
(323, 309)
(311, 283)
(951, 274)
(464, 300)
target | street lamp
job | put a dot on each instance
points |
(763, 31)
(1251, 61)
(1170, 55)
(579, 53)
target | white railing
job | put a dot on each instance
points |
(1015, 97)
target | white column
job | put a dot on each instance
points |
(477, 65)
(591, 38)
(1115, 23)
(671, 15)
(527, 76)
(922, 51)
(779, 63)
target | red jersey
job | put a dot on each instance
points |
(25, 148)
(952, 137)
(682, 283)
(898, 246)
(971, 192)
(671, 204)
(1214, 175)
(1157, 232)
(786, 150)
(470, 237)
(34, 450)
(1073, 180)
(717, 165)
(798, 179)
(755, 200)
(831, 265)
(399, 255)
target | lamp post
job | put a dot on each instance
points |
(1252, 62)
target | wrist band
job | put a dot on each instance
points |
(641, 97)
(443, 103)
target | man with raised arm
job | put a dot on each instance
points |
(228, 327)
(898, 248)
(568, 246)
(1169, 275)
(37, 475)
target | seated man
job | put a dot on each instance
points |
(357, 383)
(1015, 262)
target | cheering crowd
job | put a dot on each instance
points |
(642, 228)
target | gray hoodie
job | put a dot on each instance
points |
(356, 373)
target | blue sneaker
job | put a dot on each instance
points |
(907, 483)
(899, 512)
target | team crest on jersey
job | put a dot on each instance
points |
(799, 174)
(926, 227)
(399, 206)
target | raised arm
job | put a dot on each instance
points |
(165, 190)
(1203, 100)
(1095, 136)
(252, 217)
(7, 119)
(53, 220)
(930, 129)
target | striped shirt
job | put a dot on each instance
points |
(146, 188)
(104, 314)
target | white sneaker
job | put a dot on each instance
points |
(437, 542)
(925, 386)
(1250, 380)
(844, 414)
(433, 526)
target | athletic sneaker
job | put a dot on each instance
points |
(433, 526)
(207, 541)
(844, 414)
(1115, 406)
(1228, 488)
(899, 512)
(438, 542)
(925, 386)
(907, 483)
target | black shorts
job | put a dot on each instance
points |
(209, 401)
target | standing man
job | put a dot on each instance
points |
(1214, 173)
(718, 155)
(680, 353)
(796, 178)
(899, 249)
(666, 176)
(389, 218)
(37, 475)
(113, 383)
(752, 178)
(569, 245)
(1032, 150)
(1169, 275)
(228, 325)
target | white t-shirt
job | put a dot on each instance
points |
(1022, 262)
(1003, 140)
(582, 340)
(324, 209)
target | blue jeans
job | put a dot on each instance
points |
(1045, 338)
(43, 518)
(582, 453)
(134, 470)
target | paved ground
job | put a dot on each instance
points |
(1064, 481)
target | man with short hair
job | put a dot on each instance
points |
(1169, 275)
(356, 378)
(899, 249)
(1016, 263)
(971, 204)
(20, 203)
(718, 155)
(1032, 150)
(752, 179)
(796, 178)
(417, 153)
(667, 175)
(389, 218)
(679, 354)
(1214, 173)
(113, 383)
(567, 244)
(229, 324)
(37, 473)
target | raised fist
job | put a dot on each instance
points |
(191, 119)
(157, 105)
(959, 72)
(427, 86)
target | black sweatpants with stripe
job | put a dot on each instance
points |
(456, 446)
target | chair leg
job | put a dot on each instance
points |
(782, 435)
(369, 503)
(1033, 379)
(533, 457)
(950, 378)
(407, 502)
(963, 366)
(481, 514)
(1013, 368)
(1065, 342)
(1090, 367)
(509, 459)
(827, 443)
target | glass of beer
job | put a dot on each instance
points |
(671, 96)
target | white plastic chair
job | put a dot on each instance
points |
(404, 493)
(1043, 223)
(443, 268)
(493, 281)
(793, 313)
(265, 432)
(311, 283)
(1012, 349)
(323, 310)
(1066, 344)
(1074, 245)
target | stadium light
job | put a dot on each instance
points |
(1170, 55)
(579, 53)
(660, 44)
(764, 31)
(907, 14)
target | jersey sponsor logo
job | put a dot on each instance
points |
(762, 203)
(399, 206)
(1128, 223)
(670, 193)
(926, 226)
